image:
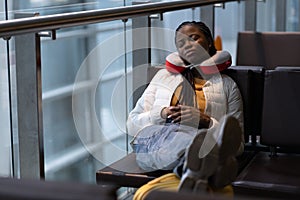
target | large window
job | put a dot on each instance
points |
(278, 15)
(293, 15)
(228, 22)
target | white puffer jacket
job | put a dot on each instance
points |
(221, 93)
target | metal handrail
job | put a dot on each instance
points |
(52, 22)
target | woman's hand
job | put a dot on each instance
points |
(168, 111)
(187, 115)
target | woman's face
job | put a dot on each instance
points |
(192, 44)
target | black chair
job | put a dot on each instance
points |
(281, 125)
(275, 173)
(250, 80)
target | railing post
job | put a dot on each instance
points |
(29, 104)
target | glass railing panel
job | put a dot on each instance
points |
(83, 73)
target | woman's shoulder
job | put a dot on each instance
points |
(164, 77)
(229, 84)
(228, 79)
(163, 73)
(225, 80)
(216, 78)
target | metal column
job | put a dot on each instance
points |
(207, 15)
(250, 15)
(29, 105)
(281, 15)
(141, 55)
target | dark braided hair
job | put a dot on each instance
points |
(188, 95)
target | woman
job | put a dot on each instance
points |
(189, 97)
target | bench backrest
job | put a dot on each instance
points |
(269, 49)
(250, 80)
(281, 108)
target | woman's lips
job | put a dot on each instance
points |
(190, 53)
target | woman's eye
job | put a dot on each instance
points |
(195, 37)
(180, 44)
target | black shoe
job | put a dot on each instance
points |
(196, 169)
(227, 169)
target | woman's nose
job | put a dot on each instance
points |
(187, 44)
